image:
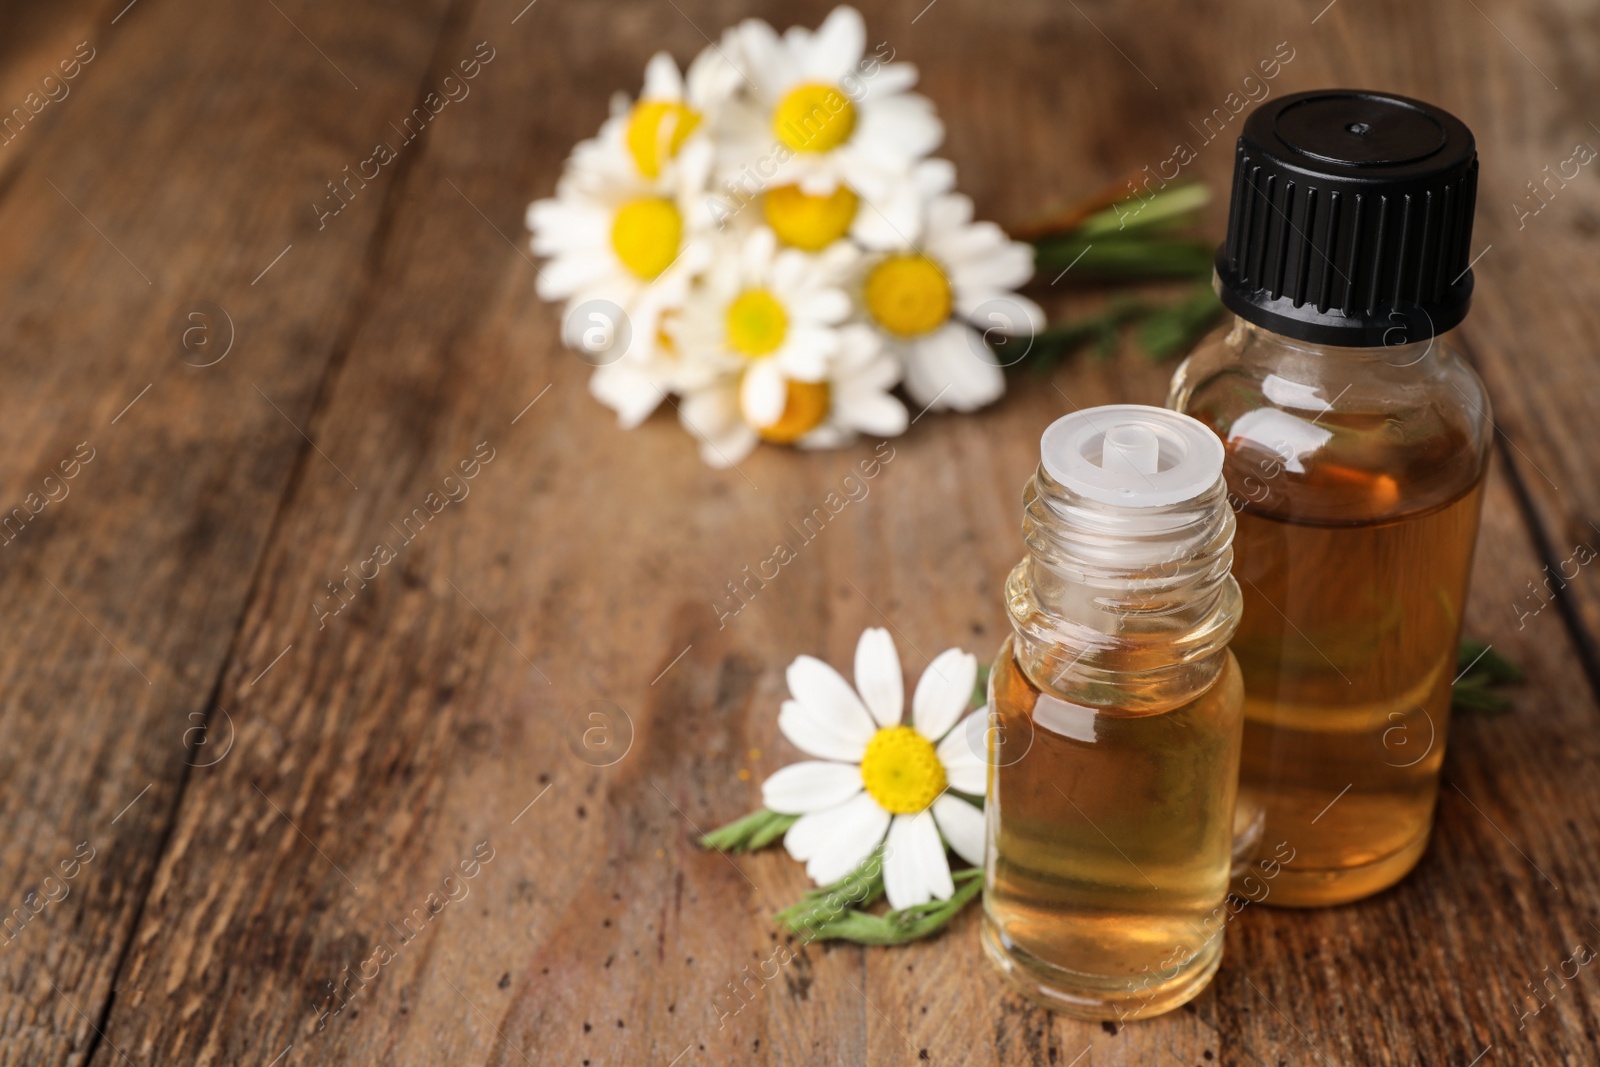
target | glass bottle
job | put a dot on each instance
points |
(1115, 723)
(1357, 442)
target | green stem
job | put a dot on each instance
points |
(1168, 207)
(1123, 257)
(753, 831)
(900, 926)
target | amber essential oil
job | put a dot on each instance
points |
(1111, 849)
(1115, 721)
(1357, 441)
(1354, 575)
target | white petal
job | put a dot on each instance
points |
(693, 169)
(710, 412)
(805, 354)
(814, 785)
(893, 221)
(962, 827)
(965, 756)
(712, 416)
(757, 253)
(839, 738)
(949, 212)
(838, 43)
(935, 177)
(914, 868)
(714, 74)
(1008, 265)
(901, 127)
(834, 842)
(1002, 313)
(728, 449)
(632, 393)
(871, 412)
(900, 867)
(978, 241)
(826, 436)
(859, 346)
(767, 60)
(878, 676)
(943, 692)
(945, 370)
(932, 863)
(828, 306)
(661, 79)
(565, 275)
(763, 393)
(812, 833)
(893, 78)
(828, 698)
(814, 176)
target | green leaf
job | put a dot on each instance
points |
(1482, 669)
(756, 830)
(1482, 659)
(826, 904)
(980, 688)
(903, 925)
(775, 828)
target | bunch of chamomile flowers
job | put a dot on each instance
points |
(766, 243)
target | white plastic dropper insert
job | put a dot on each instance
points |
(1132, 455)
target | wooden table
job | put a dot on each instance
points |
(251, 791)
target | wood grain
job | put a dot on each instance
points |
(160, 181)
(437, 717)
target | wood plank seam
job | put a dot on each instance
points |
(1582, 641)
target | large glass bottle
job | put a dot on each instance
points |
(1115, 721)
(1356, 441)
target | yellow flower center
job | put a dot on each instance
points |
(814, 117)
(757, 324)
(807, 222)
(805, 405)
(902, 771)
(656, 130)
(908, 294)
(646, 234)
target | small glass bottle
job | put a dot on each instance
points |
(1115, 721)
(1357, 442)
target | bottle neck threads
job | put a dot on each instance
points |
(1123, 606)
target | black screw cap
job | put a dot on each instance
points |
(1351, 219)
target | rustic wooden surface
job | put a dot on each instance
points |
(263, 800)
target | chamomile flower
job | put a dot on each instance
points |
(855, 398)
(822, 127)
(632, 242)
(642, 137)
(769, 316)
(877, 778)
(937, 297)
